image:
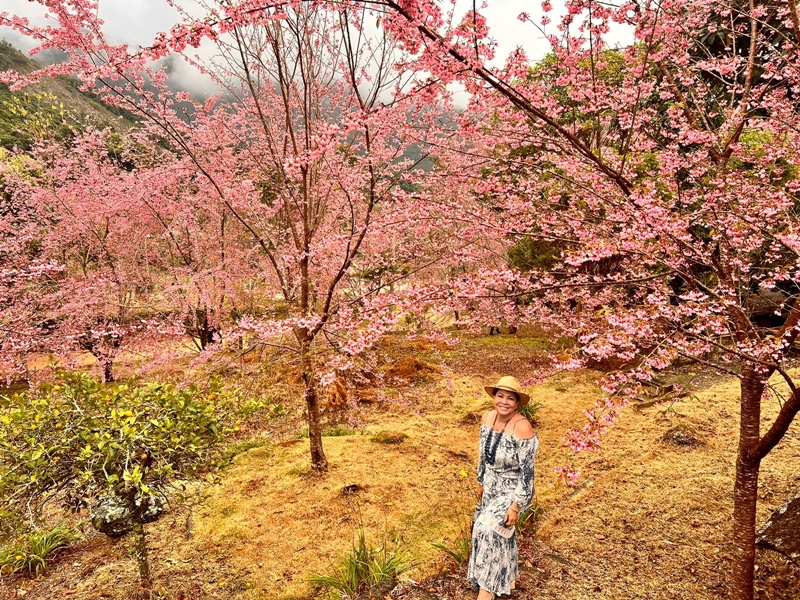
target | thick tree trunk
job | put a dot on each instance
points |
(318, 461)
(108, 371)
(745, 490)
(140, 550)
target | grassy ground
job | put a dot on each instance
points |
(650, 517)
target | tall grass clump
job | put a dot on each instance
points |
(34, 552)
(459, 551)
(363, 568)
(332, 431)
(529, 518)
(530, 409)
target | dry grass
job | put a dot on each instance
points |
(409, 369)
(654, 519)
(650, 519)
(414, 490)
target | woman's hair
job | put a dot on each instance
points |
(516, 395)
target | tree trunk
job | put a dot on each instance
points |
(745, 490)
(318, 461)
(140, 550)
(108, 371)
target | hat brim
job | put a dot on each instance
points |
(523, 397)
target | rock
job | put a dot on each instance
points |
(111, 517)
(682, 436)
(153, 510)
(379, 591)
(781, 532)
(351, 489)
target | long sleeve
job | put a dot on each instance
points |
(526, 453)
(481, 457)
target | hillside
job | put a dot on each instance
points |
(51, 107)
(650, 518)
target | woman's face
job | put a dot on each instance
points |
(505, 403)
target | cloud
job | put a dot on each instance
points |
(136, 22)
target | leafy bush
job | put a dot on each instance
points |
(33, 551)
(116, 440)
(531, 253)
(9, 523)
(363, 568)
(87, 439)
(253, 407)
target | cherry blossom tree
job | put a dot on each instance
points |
(80, 253)
(311, 161)
(204, 262)
(665, 190)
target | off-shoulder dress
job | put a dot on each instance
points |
(505, 470)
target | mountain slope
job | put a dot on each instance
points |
(53, 107)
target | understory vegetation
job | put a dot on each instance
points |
(399, 493)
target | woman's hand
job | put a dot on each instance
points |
(480, 492)
(512, 514)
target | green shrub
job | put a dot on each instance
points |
(363, 568)
(9, 524)
(253, 407)
(532, 253)
(118, 442)
(114, 440)
(33, 552)
(276, 410)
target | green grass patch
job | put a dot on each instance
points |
(459, 549)
(527, 342)
(241, 447)
(226, 511)
(332, 431)
(299, 471)
(388, 437)
(530, 409)
(530, 518)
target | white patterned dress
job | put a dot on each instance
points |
(505, 470)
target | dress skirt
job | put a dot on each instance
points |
(505, 469)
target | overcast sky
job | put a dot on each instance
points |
(136, 22)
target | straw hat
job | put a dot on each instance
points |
(510, 384)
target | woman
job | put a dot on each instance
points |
(505, 487)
